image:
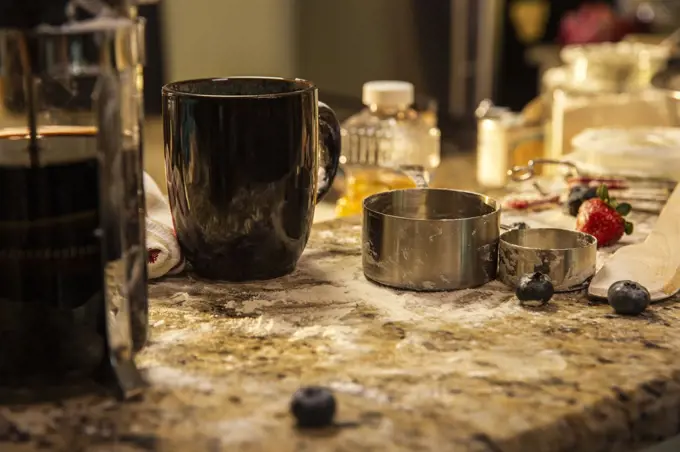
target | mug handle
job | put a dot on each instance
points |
(330, 143)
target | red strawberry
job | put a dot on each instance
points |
(603, 218)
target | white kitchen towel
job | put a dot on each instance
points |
(165, 257)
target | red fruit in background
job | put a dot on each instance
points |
(603, 218)
(593, 23)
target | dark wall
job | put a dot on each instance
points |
(433, 29)
(153, 71)
(519, 81)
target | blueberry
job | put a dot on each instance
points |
(313, 407)
(628, 297)
(534, 289)
(577, 195)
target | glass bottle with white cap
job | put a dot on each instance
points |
(383, 139)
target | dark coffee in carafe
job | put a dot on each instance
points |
(61, 244)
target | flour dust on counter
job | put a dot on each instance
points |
(465, 370)
(402, 352)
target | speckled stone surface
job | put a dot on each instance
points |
(461, 371)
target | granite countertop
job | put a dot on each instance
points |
(469, 370)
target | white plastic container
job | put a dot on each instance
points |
(382, 141)
(504, 140)
(652, 152)
(389, 133)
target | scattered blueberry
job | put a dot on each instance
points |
(518, 225)
(313, 407)
(534, 289)
(577, 195)
(628, 298)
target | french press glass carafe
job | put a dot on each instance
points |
(73, 301)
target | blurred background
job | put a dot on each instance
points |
(484, 85)
(456, 53)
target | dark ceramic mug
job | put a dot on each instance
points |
(245, 171)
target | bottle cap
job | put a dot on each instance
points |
(388, 93)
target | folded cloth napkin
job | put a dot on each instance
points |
(165, 257)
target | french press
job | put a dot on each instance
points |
(73, 295)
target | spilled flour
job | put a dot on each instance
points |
(164, 376)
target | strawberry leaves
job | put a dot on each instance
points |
(622, 209)
(628, 227)
(603, 193)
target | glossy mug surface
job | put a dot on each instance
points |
(247, 159)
